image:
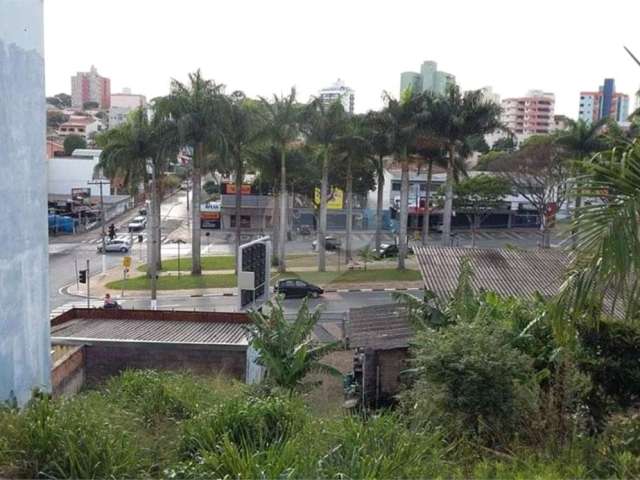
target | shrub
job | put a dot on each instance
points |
(251, 423)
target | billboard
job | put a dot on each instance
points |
(335, 200)
(254, 268)
(230, 189)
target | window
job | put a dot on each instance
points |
(395, 186)
(245, 221)
(300, 283)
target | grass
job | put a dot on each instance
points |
(216, 262)
(172, 282)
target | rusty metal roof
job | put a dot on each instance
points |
(184, 332)
(518, 273)
(379, 326)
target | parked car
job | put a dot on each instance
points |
(330, 243)
(116, 245)
(138, 223)
(296, 288)
(389, 250)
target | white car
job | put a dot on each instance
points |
(116, 245)
(138, 223)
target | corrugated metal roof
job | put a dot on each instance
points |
(150, 331)
(379, 327)
(518, 273)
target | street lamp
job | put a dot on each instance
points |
(179, 242)
(101, 182)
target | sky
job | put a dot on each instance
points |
(267, 46)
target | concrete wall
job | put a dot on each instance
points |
(65, 173)
(24, 317)
(67, 374)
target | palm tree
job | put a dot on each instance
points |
(405, 124)
(281, 126)
(240, 129)
(378, 135)
(430, 150)
(452, 118)
(197, 108)
(323, 125)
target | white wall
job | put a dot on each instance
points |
(65, 173)
(25, 344)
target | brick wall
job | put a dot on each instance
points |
(103, 361)
(391, 363)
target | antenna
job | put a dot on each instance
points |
(632, 55)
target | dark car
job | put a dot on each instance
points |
(330, 243)
(296, 288)
(388, 250)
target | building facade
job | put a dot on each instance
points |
(529, 115)
(605, 103)
(339, 92)
(81, 126)
(430, 79)
(90, 87)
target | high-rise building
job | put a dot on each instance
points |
(339, 91)
(430, 79)
(122, 104)
(90, 87)
(605, 103)
(529, 115)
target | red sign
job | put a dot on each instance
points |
(244, 189)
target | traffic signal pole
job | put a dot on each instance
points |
(88, 286)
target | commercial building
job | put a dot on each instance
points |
(605, 103)
(529, 115)
(338, 92)
(24, 329)
(90, 87)
(430, 79)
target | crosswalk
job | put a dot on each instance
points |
(96, 241)
(93, 303)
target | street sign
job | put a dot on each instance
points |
(126, 261)
(254, 268)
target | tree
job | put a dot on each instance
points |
(281, 126)
(55, 118)
(378, 133)
(453, 118)
(73, 142)
(404, 119)
(286, 348)
(430, 150)
(60, 100)
(479, 196)
(487, 159)
(323, 125)
(90, 105)
(504, 144)
(477, 143)
(367, 254)
(538, 172)
(197, 107)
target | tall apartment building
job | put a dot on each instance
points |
(529, 115)
(90, 87)
(430, 79)
(122, 104)
(605, 103)
(339, 91)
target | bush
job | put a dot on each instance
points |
(472, 381)
(620, 448)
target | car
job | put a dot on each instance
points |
(138, 223)
(330, 243)
(116, 245)
(388, 250)
(296, 288)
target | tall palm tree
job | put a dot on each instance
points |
(378, 135)
(323, 125)
(240, 128)
(452, 118)
(197, 108)
(281, 126)
(405, 124)
(430, 150)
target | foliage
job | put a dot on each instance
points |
(480, 194)
(60, 100)
(368, 255)
(73, 142)
(486, 159)
(55, 119)
(505, 144)
(477, 143)
(90, 105)
(210, 187)
(286, 348)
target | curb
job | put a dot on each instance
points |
(369, 290)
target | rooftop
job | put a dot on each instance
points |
(381, 327)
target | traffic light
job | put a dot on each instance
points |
(82, 276)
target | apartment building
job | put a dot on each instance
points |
(90, 87)
(529, 115)
(605, 103)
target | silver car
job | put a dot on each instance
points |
(116, 245)
(138, 223)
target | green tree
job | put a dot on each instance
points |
(281, 119)
(504, 144)
(55, 118)
(60, 100)
(479, 196)
(487, 159)
(430, 150)
(477, 143)
(73, 142)
(90, 105)
(197, 108)
(324, 125)
(286, 348)
(452, 118)
(367, 254)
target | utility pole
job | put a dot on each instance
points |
(152, 262)
(102, 181)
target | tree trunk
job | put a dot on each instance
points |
(576, 213)
(282, 266)
(427, 214)
(349, 200)
(473, 231)
(544, 230)
(404, 211)
(239, 177)
(198, 158)
(322, 227)
(448, 200)
(380, 200)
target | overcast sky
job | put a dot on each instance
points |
(267, 46)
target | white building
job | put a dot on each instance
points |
(67, 173)
(82, 126)
(339, 91)
(122, 104)
(118, 115)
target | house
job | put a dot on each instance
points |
(82, 126)
(95, 344)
